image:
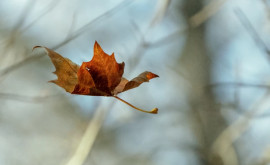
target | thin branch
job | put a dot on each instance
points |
(238, 84)
(49, 8)
(16, 97)
(93, 22)
(72, 25)
(19, 64)
(267, 8)
(207, 12)
(252, 31)
(167, 39)
(24, 14)
(223, 143)
(265, 157)
(31, 58)
(89, 137)
(161, 10)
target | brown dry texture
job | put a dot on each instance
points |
(66, 71)
(135, 82)
(101, 76)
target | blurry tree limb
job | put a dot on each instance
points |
(165, 40)
(237, 84)
(72, 25)
(23, 15)
(208, 11)
(161, 9)
(93, 22)
(265, 159)
(196, 64)
(252, 31)
(159, 13)
(49, 8)
(223, 145)
(64, 42)
(267, 8)
(89, 137)
(16, 97)
(15, 30)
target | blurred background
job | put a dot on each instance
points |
(213, 96)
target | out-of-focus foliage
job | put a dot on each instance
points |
(212, 57)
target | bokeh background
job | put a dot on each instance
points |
(213, 96)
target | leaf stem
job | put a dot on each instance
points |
(153, 111)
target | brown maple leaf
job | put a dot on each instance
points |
(101, 76)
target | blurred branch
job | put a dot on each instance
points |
(265, 159)
(143, 44)
(50, 7)
(89, 136)
(67, 40)
(208, 11)
(166, 40)
(160, 12)
(223, 144)
(266, 4)
(15, 97)
(24, 14)
(237, 84)
(14, 32)
(237, 78)
(252, 31)
(93, 22)
(72, 25)
(195, 21)
(206, 119)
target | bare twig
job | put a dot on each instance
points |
(14, 32)
(252, 31)
(267, 8)
(24, 14)
(208, 11)
(33, 99)
(162, 7)
(167, 39)
(238, 84)
(223, 144)
(89, 136)
(19, 64)
(72, 25)
(143, 44)
(49, 8)
(91, 23)
(265, 158)
(75, 34)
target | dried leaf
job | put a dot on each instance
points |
(101, 76)
(66, 71)
(125, 85)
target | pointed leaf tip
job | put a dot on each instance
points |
(96, 45)
(98, 50)
(151, 75)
